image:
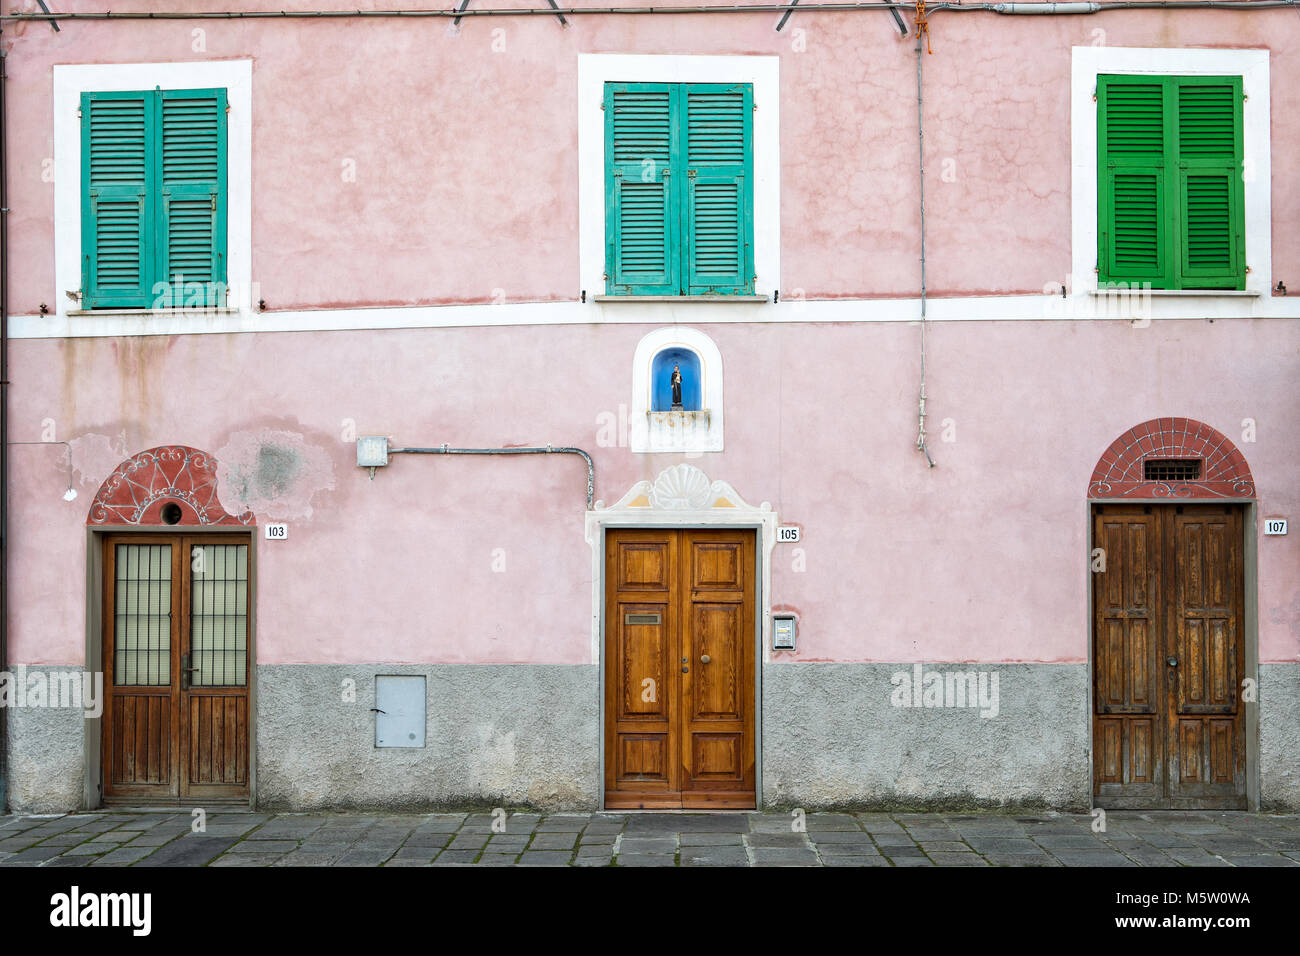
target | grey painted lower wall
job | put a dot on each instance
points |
(496, 735)
(837, 735)
(529, 735)
(47, 747)
(1279, 736)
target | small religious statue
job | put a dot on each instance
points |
(677, 388)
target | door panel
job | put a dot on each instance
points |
(214, 678)
(1129, 765)
(142, 629)
(1207, 756)
(679, 639)
(176, 660)
(1168, 657)
(641, 686)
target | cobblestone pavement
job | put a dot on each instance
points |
(165, 838)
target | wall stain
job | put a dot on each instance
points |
(272, 472)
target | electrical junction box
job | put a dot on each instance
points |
(783, 633)
(400, 711)
(372, 451)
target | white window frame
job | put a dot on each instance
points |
(1087, 62)
(763, 72)
(70, 81)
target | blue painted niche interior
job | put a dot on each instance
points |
(661, 375)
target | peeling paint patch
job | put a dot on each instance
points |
(95, 456)
(274, 474)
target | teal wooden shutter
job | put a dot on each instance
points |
(117, 141)
(719, 205)
(1210, 190)
(641, 209)
(1133, 214)
(191, 253)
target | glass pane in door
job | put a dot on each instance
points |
(142, 615)
(219, 615)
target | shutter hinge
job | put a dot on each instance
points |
(78, 112)
(1094, 94)
(214, 202)
(227, 107)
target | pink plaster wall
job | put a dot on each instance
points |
(466, 159)
(467, 182)
(981, 558)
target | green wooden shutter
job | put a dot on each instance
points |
(191, 253)
(719, 204)
(1210, 190)
(1133, 209)
(117, 141)
(641, 209)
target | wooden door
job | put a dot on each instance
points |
(176, 662)
(1168, 657)
(679, 668)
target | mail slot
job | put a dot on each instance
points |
(641, 619)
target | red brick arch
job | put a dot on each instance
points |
(1224, 472)
(138, 489)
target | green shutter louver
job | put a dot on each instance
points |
(1170, 204)
(154, 199)
(1211, 192)
(193, 176)
(1133, 214)
(641, 208)
(116, 142)
(679, 206)
(1137, 239)
(718, 212)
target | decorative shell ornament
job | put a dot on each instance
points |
(682, 488)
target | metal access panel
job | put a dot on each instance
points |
(400, 711)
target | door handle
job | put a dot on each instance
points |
(704, 658)
(186, 670)
(1171, 661)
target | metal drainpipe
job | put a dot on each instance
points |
(1068, 8)
(920, 139)
(548, 450)
(4, 427)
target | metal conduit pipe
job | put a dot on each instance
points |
(921, 443)
(1068, 9)
(4, 430)
(1058, 8)
(547, 450)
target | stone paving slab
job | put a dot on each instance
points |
(775, 838)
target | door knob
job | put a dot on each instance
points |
(704, 658)
(1171, 661)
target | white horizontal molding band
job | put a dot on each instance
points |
(1076, 307)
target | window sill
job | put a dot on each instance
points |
(726, 299)
(148, 313)
(680, 418)
(1202, 293)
